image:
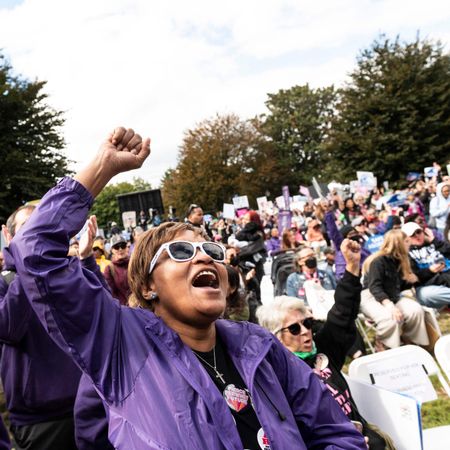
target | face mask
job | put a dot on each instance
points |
(311, 262)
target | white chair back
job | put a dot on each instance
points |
(442, 353)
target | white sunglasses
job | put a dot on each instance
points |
(182, 251)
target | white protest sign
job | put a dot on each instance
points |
(240, 202)
(280, 202)
(262, 203)
(396, 414)
(228, 211)
(129, 219)
(366, 179)
(404, 376)
(430, 172)
(297, 206)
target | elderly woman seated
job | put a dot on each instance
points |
(292, 323)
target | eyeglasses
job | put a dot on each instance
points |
(182, 251)
(417, 233)
(295, 328)
(121, 245)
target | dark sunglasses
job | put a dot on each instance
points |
(121, 245)
(181, 251)
(295, 328)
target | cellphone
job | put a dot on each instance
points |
(439, 260)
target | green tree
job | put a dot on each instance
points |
(298, 124)
(221, 157)
(31, 142)
(394, 114)
(106, 205)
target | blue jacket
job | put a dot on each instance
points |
(40, 380)
(158, 394)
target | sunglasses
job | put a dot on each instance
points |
(417, 233)
(295, 328)
(182, 251)
(122, 246)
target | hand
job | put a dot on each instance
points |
(351, 251)
(429, 236)
(250, 274)
(123, 150)
(397, 315)
(87, 238)
(435, 268)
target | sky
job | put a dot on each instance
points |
(161, 67)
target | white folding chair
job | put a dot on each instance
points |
(442, 353)
(404, 369)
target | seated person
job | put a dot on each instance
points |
(325, 351)
(387, 273)
(305, 264)
(430, 261)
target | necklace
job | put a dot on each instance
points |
(218, 374)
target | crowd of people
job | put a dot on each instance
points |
(162, 340)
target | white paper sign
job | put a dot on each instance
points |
(262, 203)
(129, 219)
(430, 172)
(240, 202)
(396, 414)
(228, 211)
(280, 202)
(366, 179)
(406, 377)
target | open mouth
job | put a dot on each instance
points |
(206, 278)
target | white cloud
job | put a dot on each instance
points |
(161, 67)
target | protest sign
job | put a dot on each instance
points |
(241, 212)
(284, 221)
(412, 176)
(366, 179)
(279, 201)
(304, 191)
(262, 203)
(286, 196)
(448, 169)
(240, 202)
(430, 172)
(129, 219)
(373, 244)
(228, 211)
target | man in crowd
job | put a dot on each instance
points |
(39, 379)
(430, 261)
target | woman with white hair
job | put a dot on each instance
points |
(325, 351)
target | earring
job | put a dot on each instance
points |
(153, 296)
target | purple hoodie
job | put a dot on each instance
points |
(4, 438)
(158, 394)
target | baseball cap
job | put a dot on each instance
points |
(410, 228)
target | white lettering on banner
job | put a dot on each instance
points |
(406, 378)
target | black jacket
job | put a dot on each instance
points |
(334, 339)
(384, 279)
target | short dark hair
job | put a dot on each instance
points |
(11, 222)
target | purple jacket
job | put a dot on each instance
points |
(4, 438)
(273, 245)
(39, 379)
(158, 394)
(337, 238)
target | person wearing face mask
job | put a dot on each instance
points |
(324, 349)
(305, 264)
(171, 374)
(116, 274)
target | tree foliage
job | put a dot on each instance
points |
(106, 205)
(394, 115)
(31, 142)
(218, 159)
(298, 124)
